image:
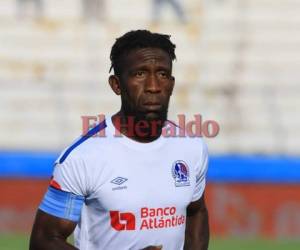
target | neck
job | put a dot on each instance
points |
(137, 128)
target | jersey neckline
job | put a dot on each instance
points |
(140, 146)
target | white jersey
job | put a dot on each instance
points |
(136, 194)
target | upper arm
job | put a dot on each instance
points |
(61, 207)
(197, 215)
(47, 227)
(197, 208)
(197, 226)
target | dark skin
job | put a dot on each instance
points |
(145, 86)
(50, 232)
(197, 227)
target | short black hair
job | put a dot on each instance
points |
(139, 39)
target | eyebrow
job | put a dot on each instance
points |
(145, 67)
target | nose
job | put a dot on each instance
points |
(152, 84)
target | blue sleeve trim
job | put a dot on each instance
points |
(62, 204)
(89, 134)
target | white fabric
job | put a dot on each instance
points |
(150, 190)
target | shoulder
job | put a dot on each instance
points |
(86, 146)
(197, 148)
(80, 165)
(193, 148)
(189, 145)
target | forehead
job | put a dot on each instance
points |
(147, 56)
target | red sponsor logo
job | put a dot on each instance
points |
(122, 221)
(150, 218)
(153, 218)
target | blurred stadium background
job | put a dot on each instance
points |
(238, 63)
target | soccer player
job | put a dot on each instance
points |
(140, 190)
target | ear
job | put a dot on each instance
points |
(114, 83)
(172, 84)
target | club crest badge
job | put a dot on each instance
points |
(180, 173)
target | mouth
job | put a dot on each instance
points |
(152, 106)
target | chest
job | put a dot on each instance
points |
(131, 183)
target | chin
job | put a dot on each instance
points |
(155, 116)
(152, 116)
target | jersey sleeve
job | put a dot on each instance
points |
(201, 170)
(70, 176)
(66, 193)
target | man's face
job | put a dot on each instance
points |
(146, 84)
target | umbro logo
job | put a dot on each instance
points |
(119, 180)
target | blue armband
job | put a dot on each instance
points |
(62, 204)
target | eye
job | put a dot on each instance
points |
(139, 73)
(163, 74)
